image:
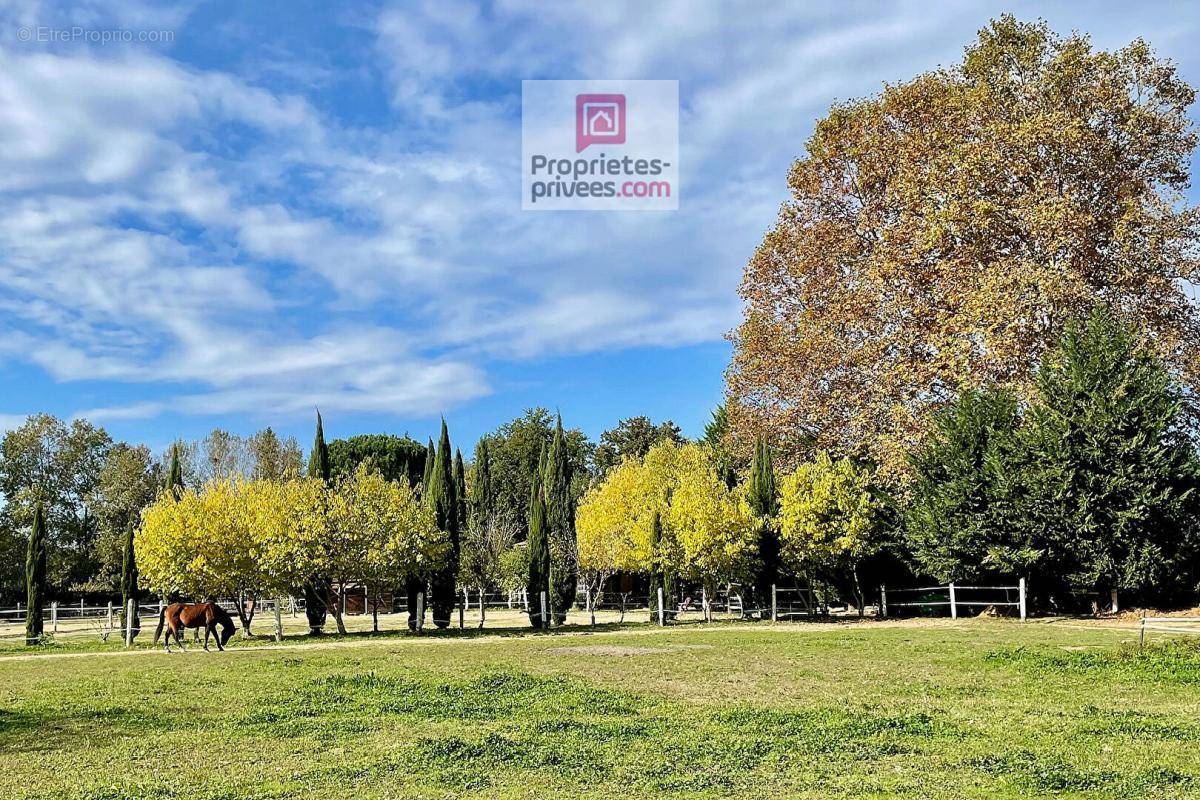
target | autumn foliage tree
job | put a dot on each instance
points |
(937, 231)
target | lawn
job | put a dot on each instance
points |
(974, 708)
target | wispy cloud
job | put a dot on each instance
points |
(236, 235)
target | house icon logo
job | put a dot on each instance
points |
(599, 119)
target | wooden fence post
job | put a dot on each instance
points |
(953, 603)
(108, 616)
(662, 609)
(543, 618)
(883, 600)
(420, 611)
(1021, 598)
(54, 616)
(279, 619)
(774, 603)
(1116, 605)
(462, 610)
(130, 608)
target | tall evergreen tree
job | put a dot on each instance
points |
(961, 522)
(658, 577)
(35, 576)
(1112, 476)
(482, 496)
(129, 581)
(763, 497)
(460, 490)
(560, 525)
(441, 497)
(430, 459)
(317, 588)
(318, 459)
(539, 555)
(175, 473)
(415, 585)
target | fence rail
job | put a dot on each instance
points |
(1169, 625)
(953, 601)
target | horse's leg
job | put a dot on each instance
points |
(167, 638)
(220, 646)
(207, 631)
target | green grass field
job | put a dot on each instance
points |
(946, 709)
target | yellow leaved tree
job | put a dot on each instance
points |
(708, 533)
(827, 519)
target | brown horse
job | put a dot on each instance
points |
(196, 615)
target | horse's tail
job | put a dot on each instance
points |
(162, 617)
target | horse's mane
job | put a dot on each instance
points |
(222, 615)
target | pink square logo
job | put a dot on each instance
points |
(599, 119)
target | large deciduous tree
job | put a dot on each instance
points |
(58, 464)
(937, 231)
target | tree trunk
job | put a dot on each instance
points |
(375, 612)
(246, 617)
(858, 593)
(482, 608)
(335, 607)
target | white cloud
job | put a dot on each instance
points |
(237, 244)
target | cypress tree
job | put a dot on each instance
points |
(657, 577)
(482, 496)
(560, 525)
(129, 581)
(539, 555)
(763, 498)
(460, 490)
(415, 585)
(430, 458)
(175, 473)
(317, 588)
(35, 577)
(442, 500)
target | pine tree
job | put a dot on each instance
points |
(560, 526)
(539, 555)
(35, 577)
(763, 496)
(441, 496)
(317, 589)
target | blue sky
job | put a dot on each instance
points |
(294, 204)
